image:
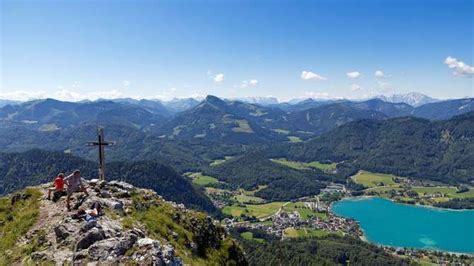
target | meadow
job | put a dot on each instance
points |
(258, 210)
(369, 179)
(303, 166)
(203, 180)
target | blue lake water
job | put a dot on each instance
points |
(400, 225)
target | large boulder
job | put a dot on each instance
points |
(61, 233)
(112, 247)
(92, 236)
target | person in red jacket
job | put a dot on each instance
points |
(58, 185)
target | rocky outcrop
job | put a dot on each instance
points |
(74, 240)
(135, 227)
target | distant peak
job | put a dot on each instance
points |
(213, 99)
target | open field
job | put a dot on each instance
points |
(302, 165)
(369, 179)
(203, 180)
(258, 210)
(329, 167)
(220, 161)
(243, 198)
(294, 139)
(249, 236)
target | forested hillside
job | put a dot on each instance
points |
(329, 250)
(413, 147)
(282, 183)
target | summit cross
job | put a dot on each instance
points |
(101, 143)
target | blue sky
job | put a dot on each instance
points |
(163, 49)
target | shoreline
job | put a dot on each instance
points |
(364, 237)
(394, 201)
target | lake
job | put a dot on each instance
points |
(400, 225)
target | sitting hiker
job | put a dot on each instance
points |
(58, 185)
(74, 184)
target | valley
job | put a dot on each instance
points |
(237, 133)
(266, 175)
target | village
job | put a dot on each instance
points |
(321, 219)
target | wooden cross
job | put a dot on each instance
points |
(101, 143)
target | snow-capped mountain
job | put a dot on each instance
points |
(414, 99)
(259, 100)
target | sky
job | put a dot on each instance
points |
(72, 50)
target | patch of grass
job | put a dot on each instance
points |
(369, 179)
(291, 232)
(294, 139)
(165, 223)
(302, 165)
(252, 192)
(15, 221)
(243, 127)
(242, 198)
(257, 210)
(203, 180)
(304, 211)
(281, 131)
(249, 236)
(291, 164)
(220, 161)
(325, 167)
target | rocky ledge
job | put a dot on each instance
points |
(118, 236)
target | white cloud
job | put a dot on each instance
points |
(251, 83)
(459, 68)
(379, 74)
(356, 87)
(308, 75)
(126, 83)
(353, 74)
(218, 78)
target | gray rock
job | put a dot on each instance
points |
(88, 225)
(105, 194)
(41, 256)
(61, 233)
(90, 238)
(81, 255)
(121, 184)
(112, 247)
(124, 244)
(144, 242)
(111, 227)
(121, 193)
(102, 249)
(112, 204)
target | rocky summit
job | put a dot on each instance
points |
(135, 226)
